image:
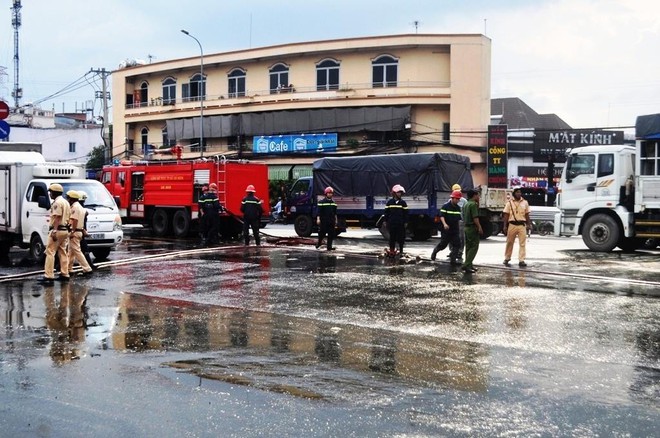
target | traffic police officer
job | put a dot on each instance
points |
(57, 235)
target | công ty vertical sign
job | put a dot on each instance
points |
(497, 156)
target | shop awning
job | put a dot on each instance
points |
(281, 172)
(381, 119)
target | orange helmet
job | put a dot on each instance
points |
(250, 188)
(213, 186)
(328, 190)
(456, 194)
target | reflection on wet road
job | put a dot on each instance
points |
(312, 344)
(355, 329)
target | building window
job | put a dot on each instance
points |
(166, 138)
(195, 89)
(327, 75)
(144, 94)
(649, 157)
(279, 78)
(144, 139)
(169, 91)
(236, 83)
(385, 71)
(445, 132)
(72, 146)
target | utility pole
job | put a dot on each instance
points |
(17, 94)
(105, 96)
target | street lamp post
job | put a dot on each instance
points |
(201, 93)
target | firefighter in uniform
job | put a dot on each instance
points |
(252, 209)
(327, 219)
(396, 217)
(76, 230)
(212, 210)
(57, 235)
(203, 227)
(450, 217)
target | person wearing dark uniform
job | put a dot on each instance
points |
(327, 219)
(450, 216)
(212, 209)
(396, 217)
(203, 227)
(473, 230)
(252, 209)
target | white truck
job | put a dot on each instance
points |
(24, 204)
(610, 194)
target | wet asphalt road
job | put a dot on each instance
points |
(285, 340)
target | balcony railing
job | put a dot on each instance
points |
(290, 93)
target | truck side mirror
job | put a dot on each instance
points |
(43, 202)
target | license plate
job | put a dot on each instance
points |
(94, 236)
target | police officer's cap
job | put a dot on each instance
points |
(72, 194)
(56, 188)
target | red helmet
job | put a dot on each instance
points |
(456, 194)
(250, 188)
(328, 190)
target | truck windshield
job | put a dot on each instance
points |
(580, 165)
(97, 195)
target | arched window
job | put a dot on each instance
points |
(279, 78)
(385, 71)
(195, 89)
(169, 91)
(236, 82)
(144, 94)
(327, 75)
(144, 140)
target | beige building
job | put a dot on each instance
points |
(387, 94)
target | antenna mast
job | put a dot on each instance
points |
(17, 94)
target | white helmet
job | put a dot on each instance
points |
(398, 188)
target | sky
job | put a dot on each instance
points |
(594, 63)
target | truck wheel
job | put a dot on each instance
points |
(160, 222)
(37, 248)
(5, 247)
(181, 223)
(600, 233)
(101, 253)
(487, 226)
(421, 234)
(303, 226)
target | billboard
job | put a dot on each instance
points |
(301, 143)
(497, 156)
(551, 145)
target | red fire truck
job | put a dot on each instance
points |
(164, 194)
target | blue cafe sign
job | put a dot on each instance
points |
(278, 144)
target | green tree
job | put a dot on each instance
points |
(96, 158)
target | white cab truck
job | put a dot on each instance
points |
(24, 204)
(610, 194)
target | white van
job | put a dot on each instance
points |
(24, 204)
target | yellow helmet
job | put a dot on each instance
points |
(456, 187)
(56, 188)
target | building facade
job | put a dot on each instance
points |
(291, 104)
